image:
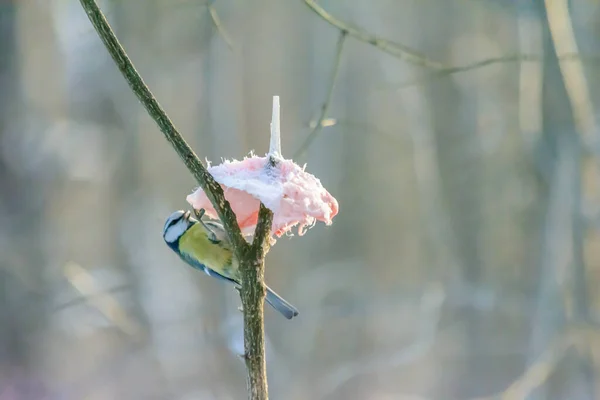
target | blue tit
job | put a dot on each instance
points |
(205, 246)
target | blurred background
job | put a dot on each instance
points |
(462, 147)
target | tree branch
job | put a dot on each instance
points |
(253, 295)
(325, 108)
(395, 49)
(410, 55)
(213, 190)
(514, 58)
(253, 289)
(218, 25)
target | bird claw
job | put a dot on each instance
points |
(199, 213)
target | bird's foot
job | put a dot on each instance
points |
(199, 213)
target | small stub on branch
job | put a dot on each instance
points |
(275, 142)
(296, 197)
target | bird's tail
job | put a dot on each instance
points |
(278, 303)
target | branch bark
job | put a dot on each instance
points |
(190, 159)
(250, 256)
(253, 305)
(397, 50)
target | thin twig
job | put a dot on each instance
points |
(213, 190)
(514, 58)
(539, 372)
(412, 56)
(86, 298)
(531, 78)
(395, 49)
(86, 285)
(219, 25)
(325, 108)
(464, 68)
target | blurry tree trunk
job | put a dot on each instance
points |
(455, 127)
(220, 135)
(13, 352)
(22, 296)
(360, 233)
(561, 245)
(132, 23)
(581, 308)
(169, 45)
(585, 133)
(84, 205)
(582, 131)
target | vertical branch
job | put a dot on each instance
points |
(577, 90)
(563, 37)
(253, 296)
(253, 289)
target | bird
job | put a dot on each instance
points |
(204, 245)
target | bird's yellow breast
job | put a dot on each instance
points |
(217, 257)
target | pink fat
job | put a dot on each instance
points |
(296, 197)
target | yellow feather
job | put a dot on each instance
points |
(218, 257)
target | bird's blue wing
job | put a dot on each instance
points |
(198, 265)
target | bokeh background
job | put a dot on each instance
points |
(464, 262)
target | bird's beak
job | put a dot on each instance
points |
(186, 215)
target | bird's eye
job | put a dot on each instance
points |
(171, 222)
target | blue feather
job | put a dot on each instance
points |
(278, 303)
(198, 265)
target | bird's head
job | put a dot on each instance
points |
(176, 225)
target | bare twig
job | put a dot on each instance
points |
(85, 284)
(537, 373)
(325, 108)
(469, 67)
(395, 49)
(218, 24)
(514, 58)
(406, 53)
(213, 190)
(87, 297)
